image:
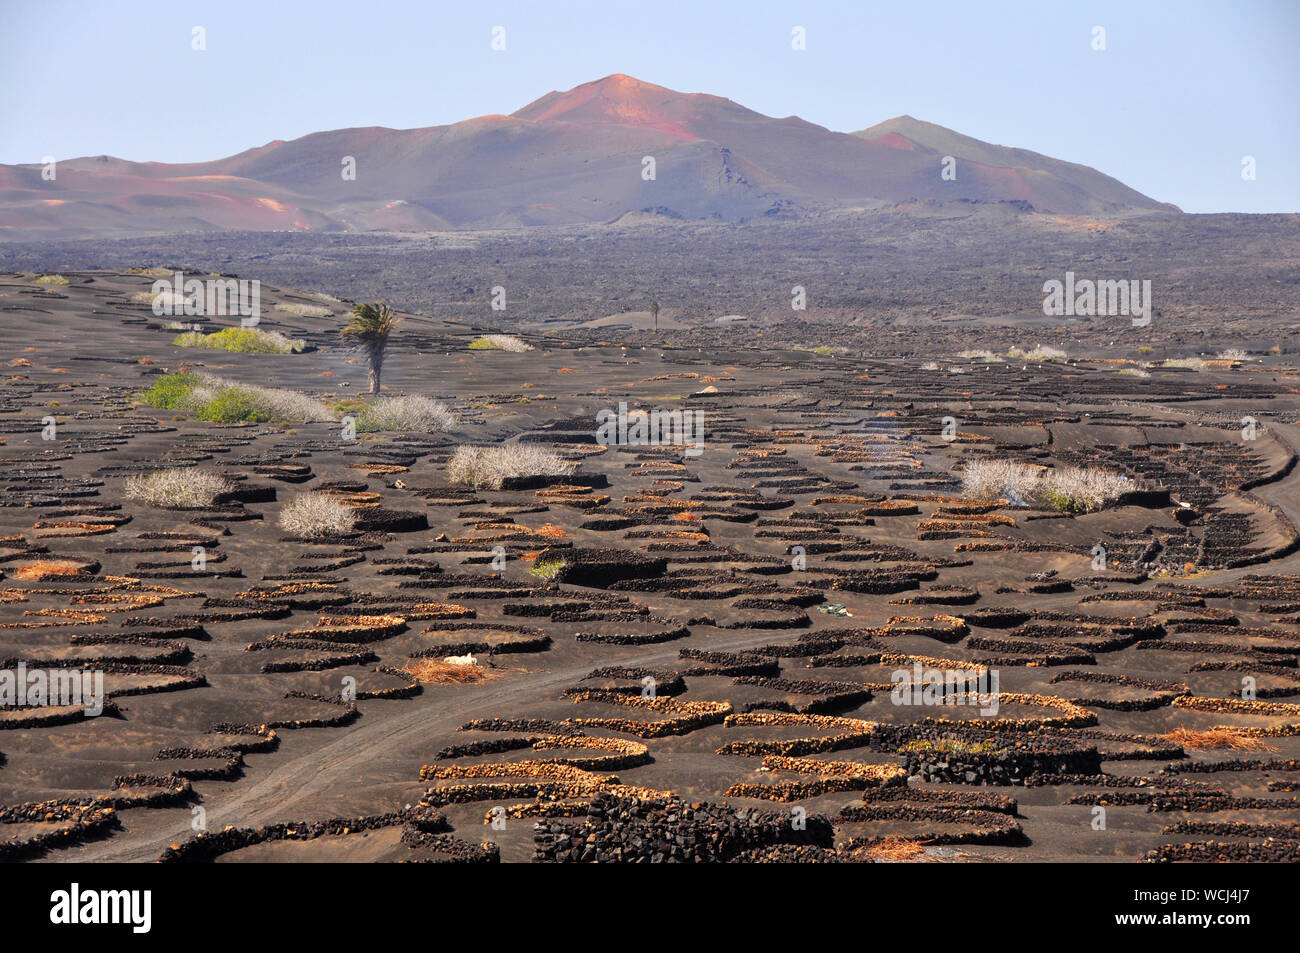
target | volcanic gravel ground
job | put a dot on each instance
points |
(766, 590)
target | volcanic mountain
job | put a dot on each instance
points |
(592, 154)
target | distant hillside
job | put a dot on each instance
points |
(569, 157)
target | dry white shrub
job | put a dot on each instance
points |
(406, 412)
(504, 342)
(313, 515)
(1081, 489)
(1039, 354)
(304, 310)
(486, 467)
(1071, 489)
(179, 486)
(999, 479)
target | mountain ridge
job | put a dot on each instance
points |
(568, 157)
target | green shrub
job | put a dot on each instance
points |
(546, 569)
(51, 280)
(241, 340)
(217, 400)
(350, 406)
(170, 391)
(233, 406)
(1063, 501)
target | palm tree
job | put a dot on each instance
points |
(370, 325)
(654, 313)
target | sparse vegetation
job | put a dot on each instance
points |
(1187, 363)
(487, 467)
(894, 848)
(242, 340)
(405, 412)
(217, 400)
(316, 515)
(1217, 738)
(1040, 354)
(177, 487)
(546, 569)
(232, 405)
(952, 746)
(171, 391)
(304, 310)
(431, 671)
(1069, 489)
(499, 342)
(51, 280)
(1233, 354)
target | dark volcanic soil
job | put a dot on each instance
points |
(895, 281)
(768, 589)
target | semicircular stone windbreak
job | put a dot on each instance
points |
(657, 654)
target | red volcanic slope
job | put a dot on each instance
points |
(569, 157)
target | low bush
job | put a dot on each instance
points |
(241, 340)
(178, 486)
(171, 391)
(487, 467)
(1039, 354)
(546, 569)
(429, 671)
(232, 406)
(1221, 737)
(499, 342)
(405, 412)
(218, 400)
(313, 515)
(304, 310)
(1069, 489)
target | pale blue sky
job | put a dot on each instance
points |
(1182, 92)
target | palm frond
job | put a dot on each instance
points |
(371, 324)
